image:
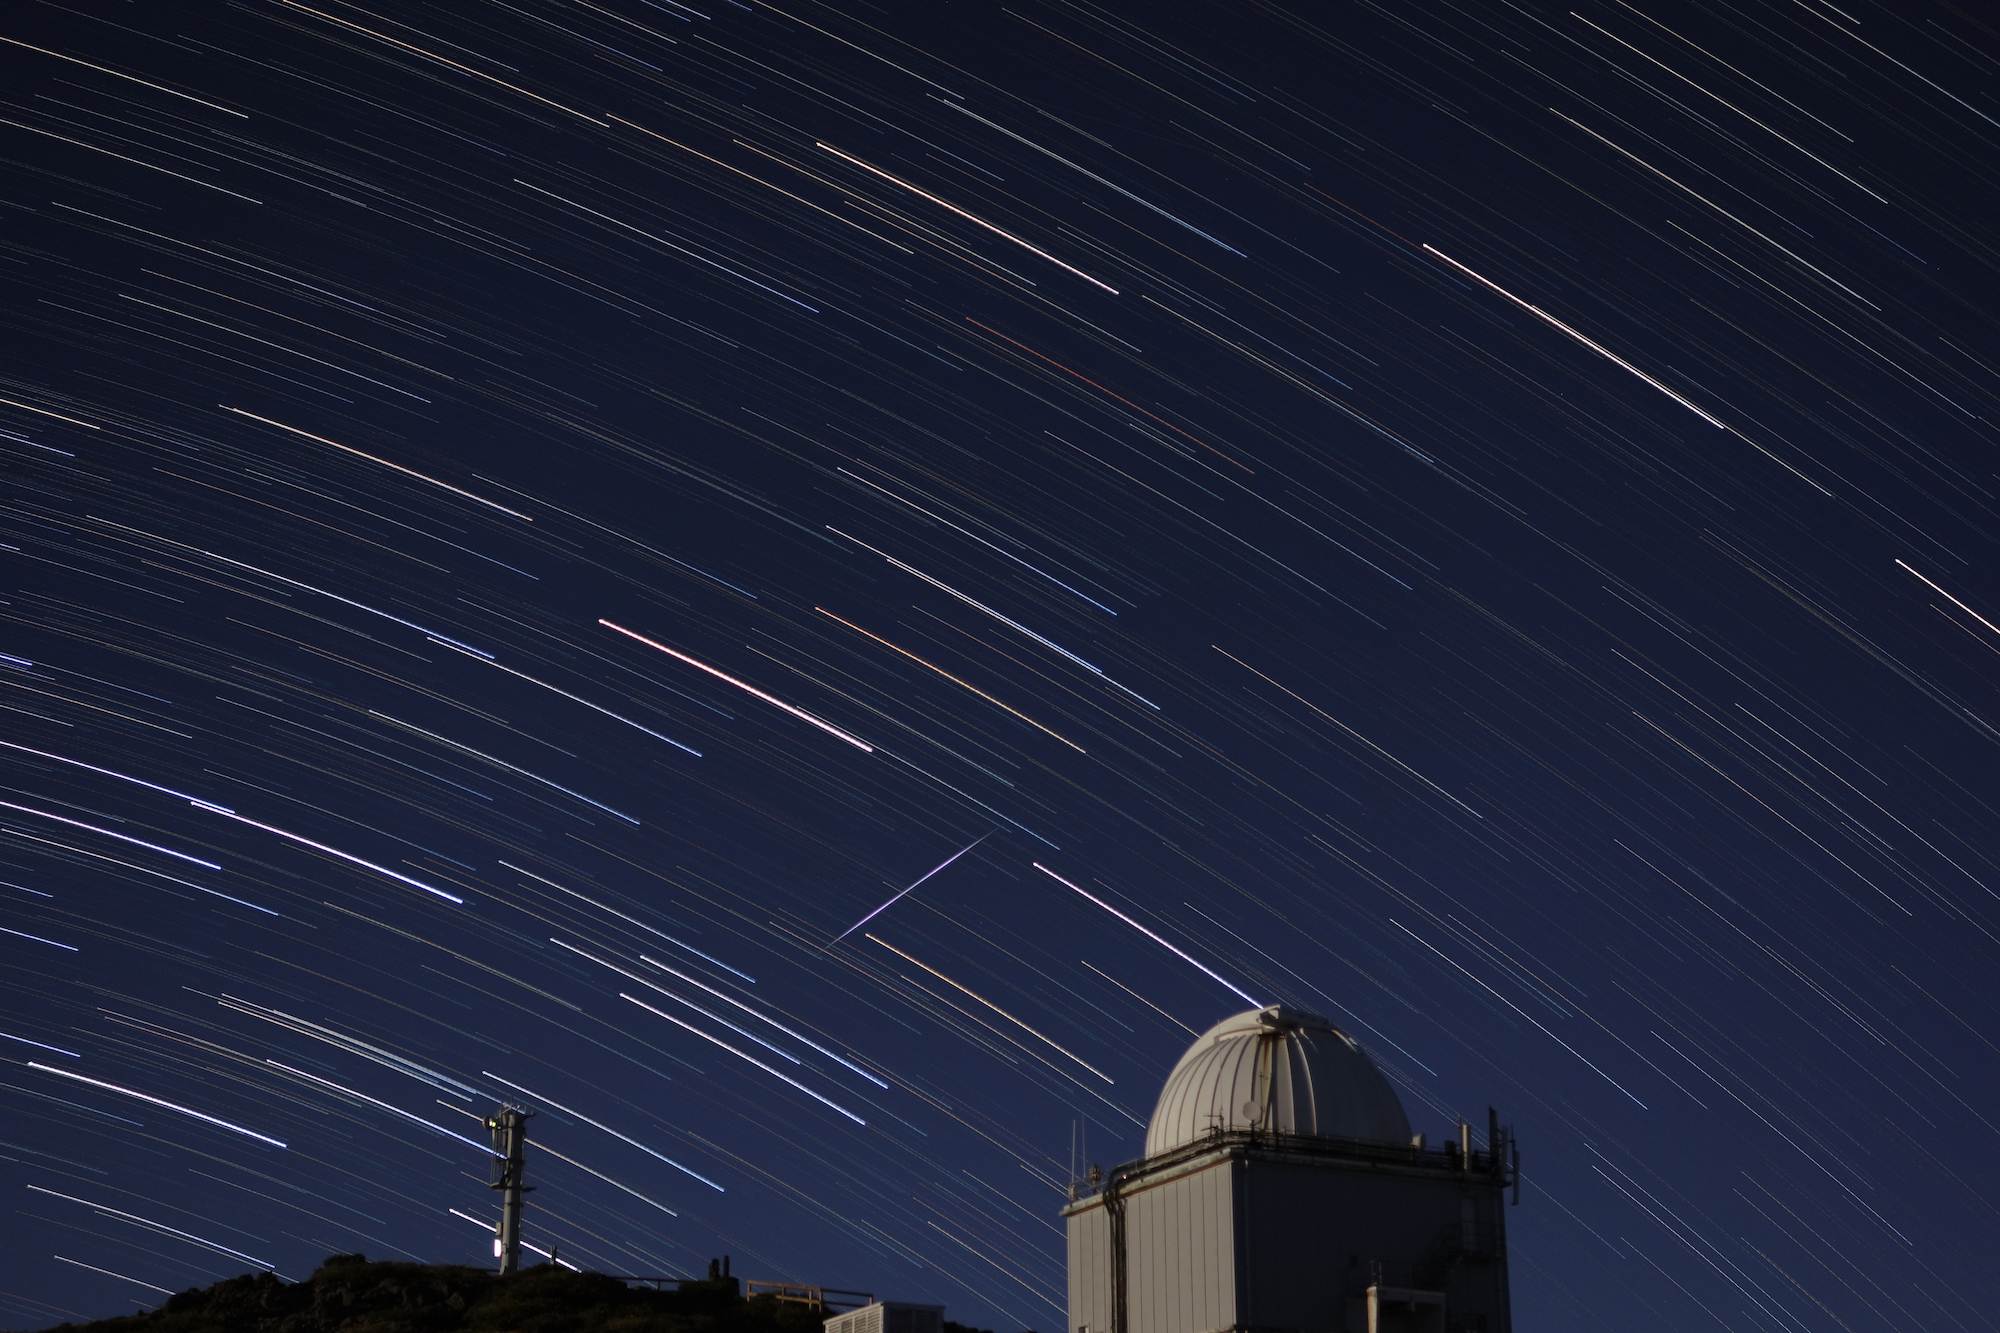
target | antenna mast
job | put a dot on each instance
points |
(509, 1127)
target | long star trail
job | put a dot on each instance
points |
(512, 507)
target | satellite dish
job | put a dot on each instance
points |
(1252, 1112)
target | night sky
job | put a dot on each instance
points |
(523, 522)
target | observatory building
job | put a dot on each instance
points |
(1282, 1192)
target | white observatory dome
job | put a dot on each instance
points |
(1276, 1069)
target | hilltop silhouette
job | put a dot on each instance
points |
(348, 1294)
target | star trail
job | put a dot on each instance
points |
(805, 590)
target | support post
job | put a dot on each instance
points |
(509, 1128)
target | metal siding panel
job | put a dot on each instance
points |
(1073, 1274)
(1241, 1309)
(1191, 1237)
(1218, 1301)
(1196, 1222)
(1142, 1230)
(1213, 1270)
(1187, 1215)
(1182, 1238)
(1191, 1253)
(1195, 1256)
(1073, 1252)
(1090, 1271)
(1105, 1297)
(1142, 1233)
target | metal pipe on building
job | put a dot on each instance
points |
(1114, 1209)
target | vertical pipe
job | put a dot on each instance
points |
(1114, 1208)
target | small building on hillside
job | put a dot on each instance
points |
(1282, 1192)
(889, 1317)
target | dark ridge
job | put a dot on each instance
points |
(348, 1294)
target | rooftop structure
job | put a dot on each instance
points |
(889, 1317)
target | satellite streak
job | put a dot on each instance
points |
(970, 217)
(795, 711)
(634, 921)
(742, 1055)
(330, 851)
(108, 1211)
(919, 880)
(157, 1101)
(1596, 347)
(377, 1102)
(731, 999)
(651, 1152)
(996, 1009)
(1175, 950)
(954, 680)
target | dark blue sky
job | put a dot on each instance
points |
(1477, 519)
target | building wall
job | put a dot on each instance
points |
(1089, 1268)
(1311, 1229)
(1180, 1256)
(1181, 1240)
(868, 1319)
(1266, 1241)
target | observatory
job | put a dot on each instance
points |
(1282, 1192)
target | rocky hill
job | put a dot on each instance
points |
(348, 1294)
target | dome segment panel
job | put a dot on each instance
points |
(1276, 1069)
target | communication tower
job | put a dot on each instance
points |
(509, 1128)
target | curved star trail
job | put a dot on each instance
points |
(1477, 520)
